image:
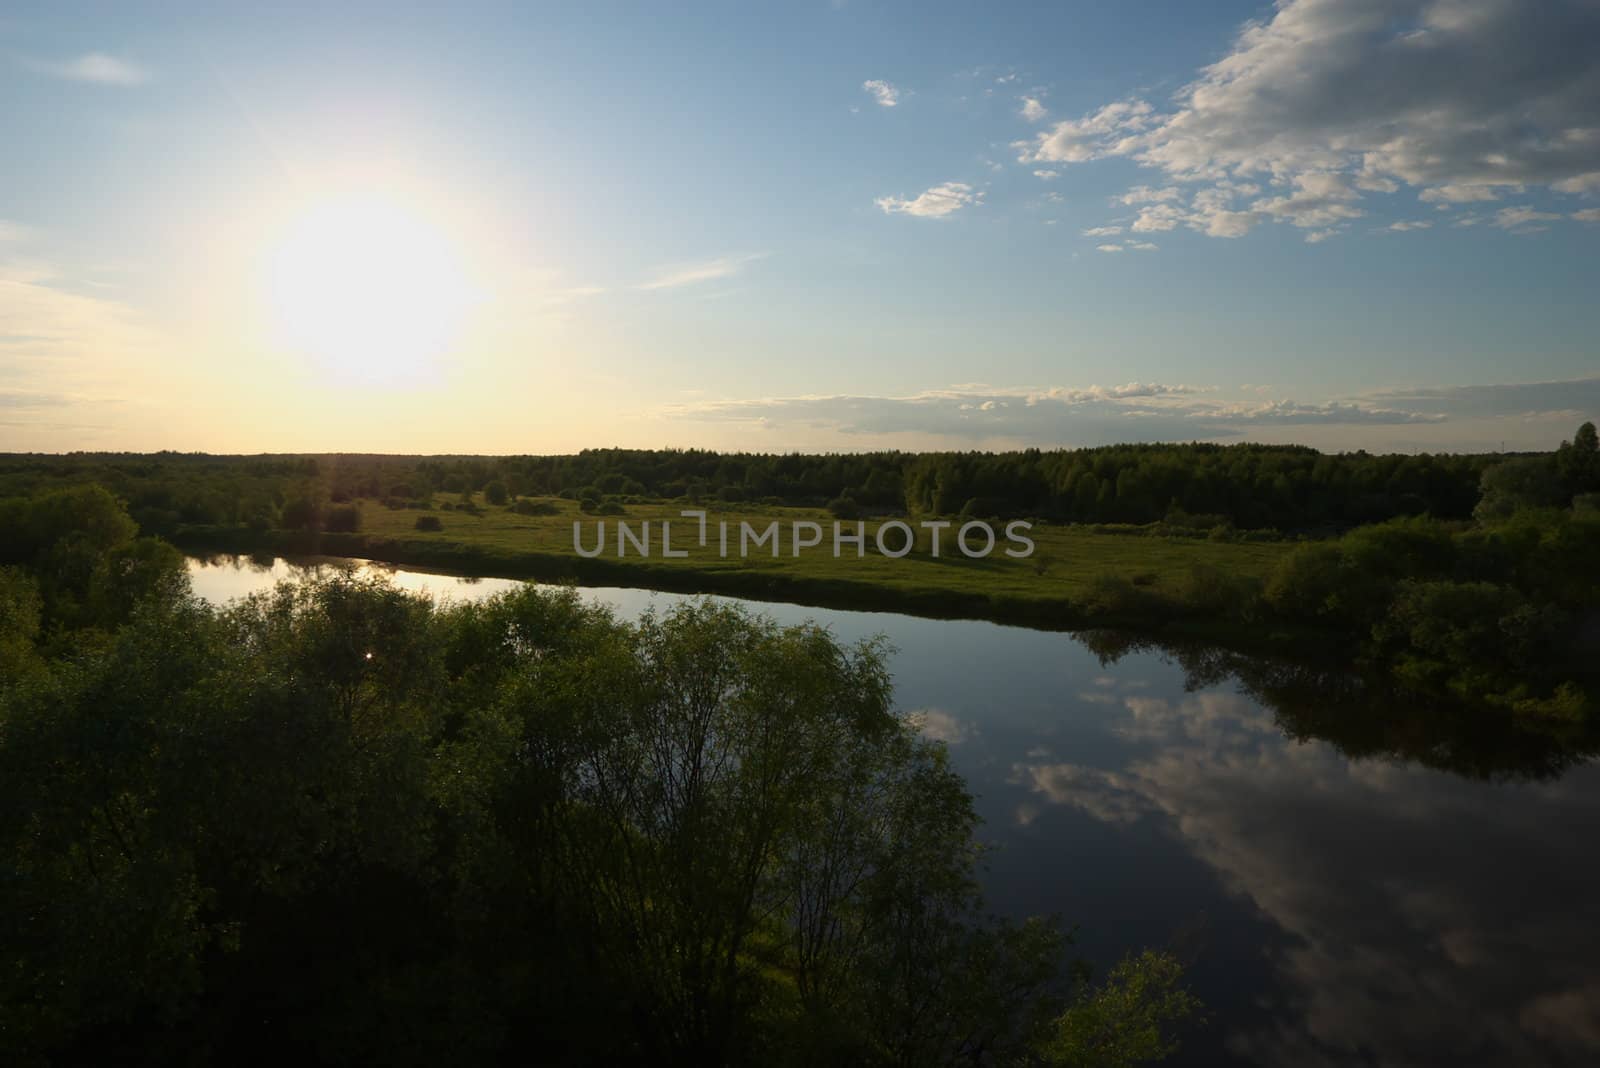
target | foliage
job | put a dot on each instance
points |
(1493, 613)
(342, 518)
(337, 822)
(1127, 1020)
(1246, 486)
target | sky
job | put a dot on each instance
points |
(822, 226)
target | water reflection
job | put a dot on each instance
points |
(224, 577)
(1351, 878)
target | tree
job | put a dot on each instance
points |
(1524, 482)
(1578, 462)
(1127, 1020)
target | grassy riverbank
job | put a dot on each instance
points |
(1061, 584)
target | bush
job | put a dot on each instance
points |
(342, 519)
(302, 513)
(609, 508)
(495, 492)
(1111, 594)
(1211, 591)
(429, 523)
(844, 508)
(535, 508)
(1307, 584)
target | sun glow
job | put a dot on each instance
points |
(371, 290)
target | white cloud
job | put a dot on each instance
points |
(1407, 224)
(1157, 218)
(1583, 183)
(1102, 231)
(96, 67)
(1143, 246)
(1109, 248)
(1588, 215)
(936, 203)
(1458, 194)
(1091, 137)
(1320, 200)
(1143, 194)
(688, 274)
(1522, 219)
(1329, 101)
(1046, 174)
(1032, 110)
(883, 93)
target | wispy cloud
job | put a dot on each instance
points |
(96, 67)
(1034, 111)
(62, 351)
(1058, 415)
(936, 203)
(1522, 220)
(688, 274)
(883, 93)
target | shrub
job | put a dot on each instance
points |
(495, 492)
(1209, 590)
(430, 523)
(844, 508)
(301, 513)
(525, 507)
(1112, 594)
(1307, 584)
(342, 518)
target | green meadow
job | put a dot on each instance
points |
(1062, 578)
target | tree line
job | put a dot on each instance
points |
(1247, 486)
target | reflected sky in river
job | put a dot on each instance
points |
(1378, 910)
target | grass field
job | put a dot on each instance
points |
(1052, 585)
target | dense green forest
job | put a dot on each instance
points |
(341, 824)
(1289, 488)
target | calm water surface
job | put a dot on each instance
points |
(1435, 900)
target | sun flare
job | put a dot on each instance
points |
(369, 289)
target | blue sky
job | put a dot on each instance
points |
(834, 226)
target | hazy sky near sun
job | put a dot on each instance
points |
(536, 228)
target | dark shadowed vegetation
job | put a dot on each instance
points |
(340, 824)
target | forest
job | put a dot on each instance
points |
(1289, 488)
